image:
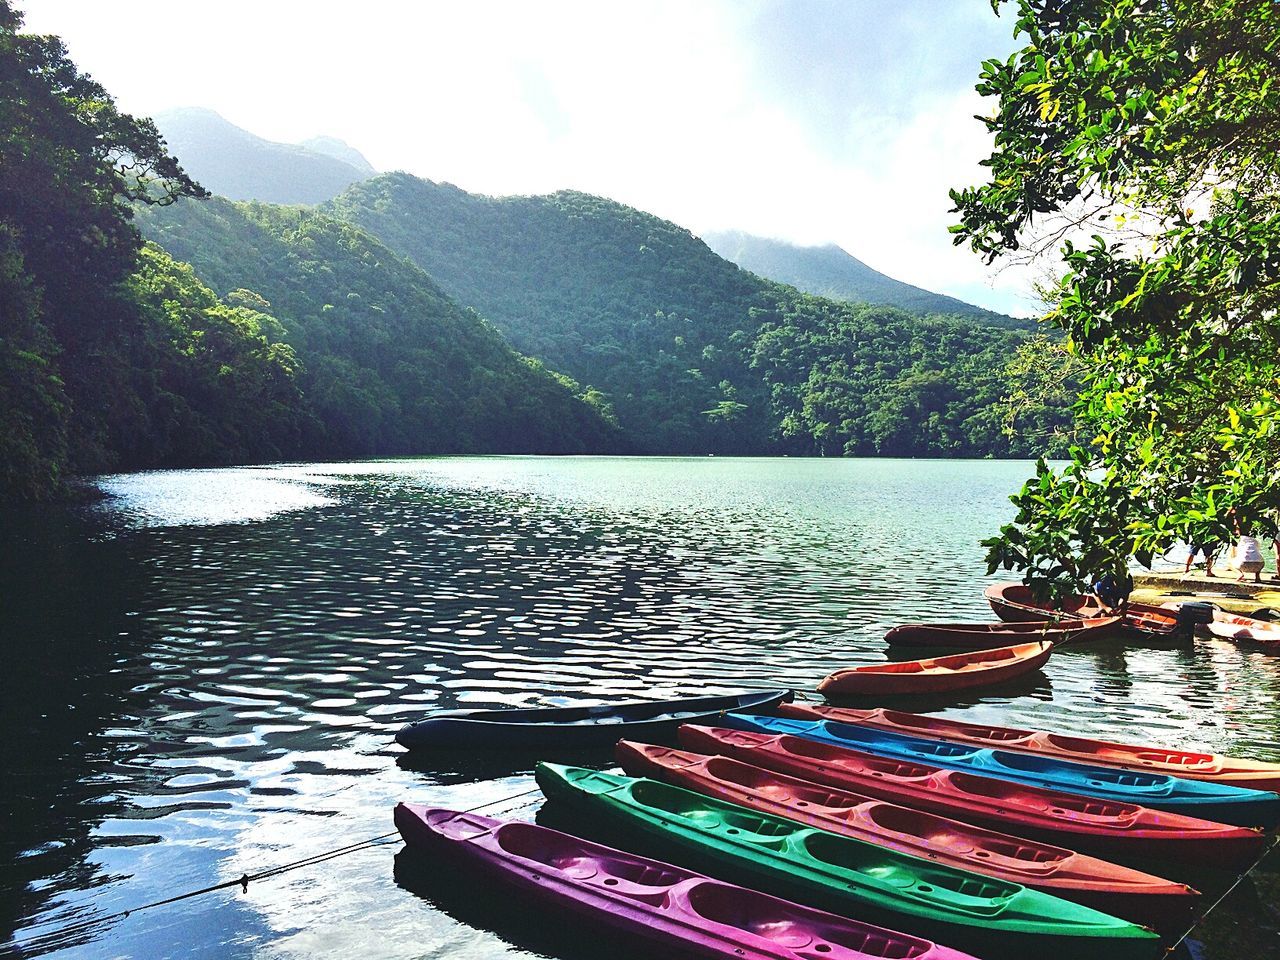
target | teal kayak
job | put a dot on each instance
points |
(992, 917)
(1220, 802)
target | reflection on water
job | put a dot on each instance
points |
(209, 667)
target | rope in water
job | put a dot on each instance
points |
(1217, 903)
(46, 940)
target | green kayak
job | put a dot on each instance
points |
(859, 879)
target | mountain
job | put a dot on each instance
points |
(388, 363)
(828, 271)
(339, 150)
(234, 163)
(694, 354)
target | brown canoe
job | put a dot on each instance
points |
(984, 636)
(963, 671)
(1015, 603)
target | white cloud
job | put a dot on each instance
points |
(683, 109)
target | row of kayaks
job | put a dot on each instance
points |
(962, 834)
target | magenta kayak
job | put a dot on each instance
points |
(654, 900)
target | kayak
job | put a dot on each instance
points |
(1122, 891)
(675, 908)
(963, 671)
(1209, 801)
(848, 876)
(984, 636)
(574, 726)
(1228, 626)
(1014, 602)
(1112, 829)
(1191, 765)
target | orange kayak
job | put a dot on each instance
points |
(962, 671)
(1118, 890)
(1190, 765)
(984, 636)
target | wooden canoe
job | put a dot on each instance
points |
(1188, 764)
(1015, 603)
(984, 636)
(962, 671)
(575, 727)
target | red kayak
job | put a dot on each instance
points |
(675, 909)
(1117, 890)
(963, 671)
(984, 636)
(1190, 765)
(1015, 603)
(1105, 826)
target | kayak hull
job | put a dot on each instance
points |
(964, 671)
(1191, 765)
(1118, 890)
(1229, 626)
(844, 875)
(1209, 801)
(985, 636)
(574, 727)
(664, 905)
(1128, 831)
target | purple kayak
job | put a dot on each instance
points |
(670, 905)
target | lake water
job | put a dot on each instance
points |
(206, 670)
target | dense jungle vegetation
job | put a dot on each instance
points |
(696, 355)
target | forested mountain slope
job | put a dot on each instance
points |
(828, 271)
(389, 363)
(694, 354)
(234, 163)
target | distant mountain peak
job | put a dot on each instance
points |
(827, 270)
(234, 163)
(339, 150)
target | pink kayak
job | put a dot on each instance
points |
(669, 905)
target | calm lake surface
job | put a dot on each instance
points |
(206, 670)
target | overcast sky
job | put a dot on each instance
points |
(815, 121)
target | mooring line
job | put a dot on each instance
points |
(1217, 903)
(243, 881)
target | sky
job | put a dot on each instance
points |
(814, 121)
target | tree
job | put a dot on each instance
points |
(1149, 124)
(70, 166)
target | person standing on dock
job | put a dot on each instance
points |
(1204, 550)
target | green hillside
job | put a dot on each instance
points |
(828, 271)
(694, 354)
(390, 364)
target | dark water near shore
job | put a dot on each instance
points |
(204, 672)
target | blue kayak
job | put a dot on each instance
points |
(1194, 798)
